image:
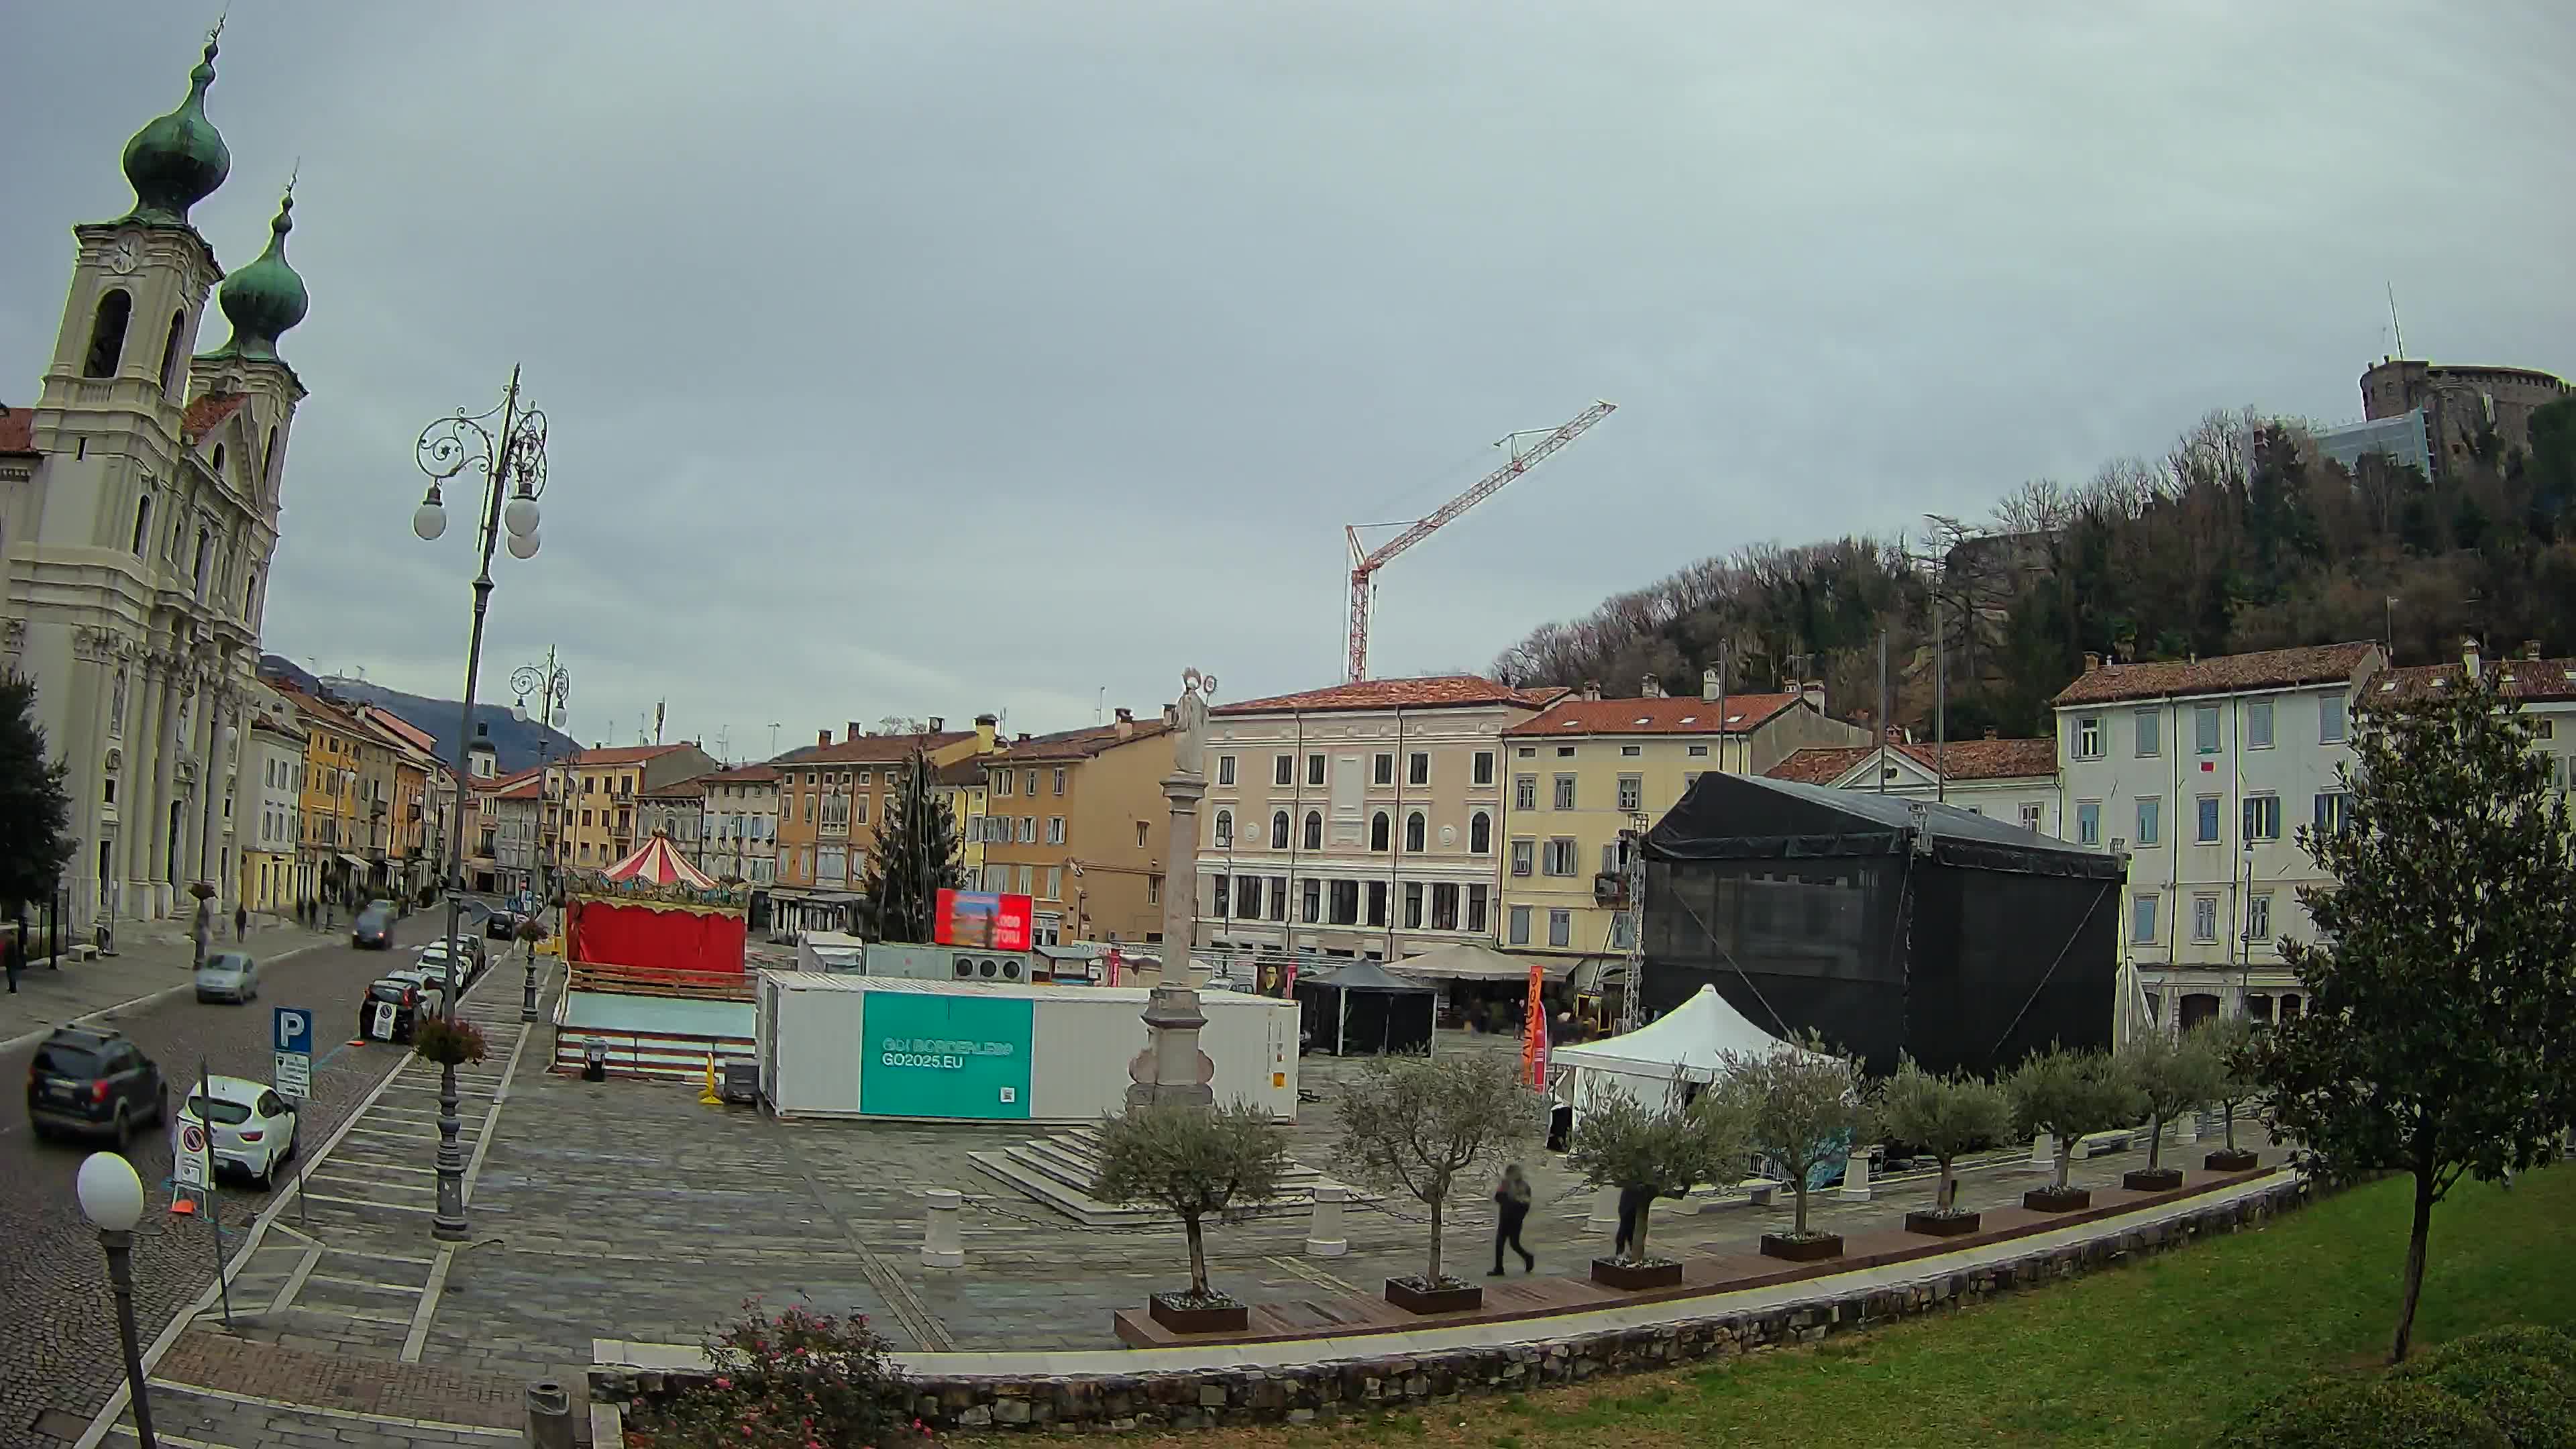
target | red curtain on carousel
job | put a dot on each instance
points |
(603, 934)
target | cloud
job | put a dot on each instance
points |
(915, 358)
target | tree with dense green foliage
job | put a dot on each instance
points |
(2070, 1095)
(2439, 1038)
(1945, 1117)
(916, 856)
(1620, 1142)
(1800, 1104)
(36, 845)
(1414, 1124)
(1197, 1163)
(2172, 1075)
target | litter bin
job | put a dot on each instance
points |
(741, 1083)
(594, 1060)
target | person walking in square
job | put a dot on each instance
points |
(1512, 1205)
(241, 921)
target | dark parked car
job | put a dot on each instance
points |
(90, 1081)
(501, 925)
(387, 1011)
(374, 929)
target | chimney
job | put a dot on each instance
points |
(1127, 723)
(1024, 737)
(2092, 662)
(822, 737)
(1171, 716)
(1990, 732)
(2469, 654)
(939, 724)
(1813, 692)
(1650, 688)
(987, 729)
(1126, 715)
(2530, 648)
(1592, 689)
(1708, 686)
(855, 731)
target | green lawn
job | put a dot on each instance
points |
(2154, 1354)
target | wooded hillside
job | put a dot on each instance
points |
(2239, 537)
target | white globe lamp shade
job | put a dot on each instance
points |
(523, 545)
(520, 516)
(111, 1196)
(519, 711)
(429, 521)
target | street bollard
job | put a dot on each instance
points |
(940, 1245)
(1855, 1186)
(549, 1416)
(594, 1060)
(2187, 1127)
(2043, 1151)
(1324, 1237)
(1605, 1211)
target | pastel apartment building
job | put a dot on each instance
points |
(1077, 820)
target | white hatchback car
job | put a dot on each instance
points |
(249, 1127)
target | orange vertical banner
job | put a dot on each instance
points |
(1534, 1031)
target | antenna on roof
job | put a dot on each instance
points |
(2393, 324)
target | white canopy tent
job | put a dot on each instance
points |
(1684, 1044)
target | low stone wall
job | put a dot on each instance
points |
(1306, 1393)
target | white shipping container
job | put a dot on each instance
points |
(865, 1046)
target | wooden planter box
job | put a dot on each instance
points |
(1942, 1225)
(2152, 1179)
(1198, 1318)
(1458, 1298)
(2057, 1200)
(1631, 1277)
(1802, 1250)
(2231, 1160)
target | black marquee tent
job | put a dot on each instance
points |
(1888, 925)
(1363, 1009)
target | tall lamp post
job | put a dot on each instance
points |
(111, 1197)
(511, 455)
(552, 685)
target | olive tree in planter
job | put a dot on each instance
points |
(1945, 1117)
(2172, 1076)
(1196, 1163)
(1655, 1152)
(1800, 1105)
(1414, 1125)
(2069, 1095)
(2232, 1042)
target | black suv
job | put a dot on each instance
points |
(374, 928)
(88, 1081)
(399, 1001)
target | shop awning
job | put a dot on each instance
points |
(355, 862)
(1468, 961)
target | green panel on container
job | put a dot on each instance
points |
(936, 1055)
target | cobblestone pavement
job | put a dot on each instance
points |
(58, 1351)
(630, 1210)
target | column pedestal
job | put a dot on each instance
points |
(1324, 1237)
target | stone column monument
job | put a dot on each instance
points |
(1171, 1070)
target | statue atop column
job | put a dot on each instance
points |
(1190, 713)
(1171, 1069)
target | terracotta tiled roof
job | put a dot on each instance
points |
(1439, 691)
(1665, 716)
(2227, 674)
(1962, 759)
(744, 775)
(692, 788)
(622, 754)
(527, 789)
(403, 729)
(878, 749)
(17, 430)
(503, 784)
(1079, 744)
(208, 412)
(964, 772)
(320, 709)
(2539, 680)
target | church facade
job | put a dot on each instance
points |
(138, 516)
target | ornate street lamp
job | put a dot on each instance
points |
(111, 1197)
(511, 455)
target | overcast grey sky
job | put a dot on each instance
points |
(925, 358)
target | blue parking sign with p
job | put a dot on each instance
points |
(294, 1027)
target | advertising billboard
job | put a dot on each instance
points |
(980, 918)
(935, 1055)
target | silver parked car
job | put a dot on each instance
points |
(228, 976)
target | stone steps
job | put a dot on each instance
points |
(1057, 1171)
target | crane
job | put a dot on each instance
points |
(1366, 562)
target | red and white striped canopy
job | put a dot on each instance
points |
(656, 863)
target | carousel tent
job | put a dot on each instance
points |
(1685, 1045)
(653, 911)
(1361, 1010)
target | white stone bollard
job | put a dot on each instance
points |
(940, 1245)
(1324, 1237)
(1605, 1211)
(2187, 1127)
(1855, 1186)
(2043, 1152)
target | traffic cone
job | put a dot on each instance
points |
(710, 1097)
